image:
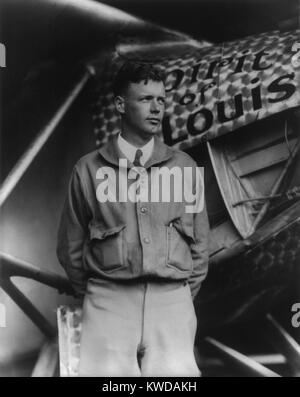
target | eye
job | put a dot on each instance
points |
(161, 101)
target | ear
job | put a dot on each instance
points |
(120, 104)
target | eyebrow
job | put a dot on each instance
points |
(151, 96)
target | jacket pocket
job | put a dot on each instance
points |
(107, 247)
(179, 238)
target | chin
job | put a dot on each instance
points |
(155, 131)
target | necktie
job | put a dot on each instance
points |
(138, 155)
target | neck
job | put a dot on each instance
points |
(135, 138)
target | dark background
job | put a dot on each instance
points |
(215, 20)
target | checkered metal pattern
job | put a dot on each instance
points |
(198, 89)
(69, 320)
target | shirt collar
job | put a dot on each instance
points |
(129, 150)
(112, 153)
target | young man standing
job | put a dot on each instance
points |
(133, 245)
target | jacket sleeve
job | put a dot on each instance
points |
(199, 250)
(72, 234)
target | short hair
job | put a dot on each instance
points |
(135, 72)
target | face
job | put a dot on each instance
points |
(142, 108)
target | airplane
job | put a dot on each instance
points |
(233, 106)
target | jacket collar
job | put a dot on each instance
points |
(111, 152)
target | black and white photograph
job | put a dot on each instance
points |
(149, 193)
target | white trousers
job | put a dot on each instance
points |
(138, 329)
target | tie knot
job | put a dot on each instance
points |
(137, 159)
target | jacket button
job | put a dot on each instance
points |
(146, 240)
(143, 210)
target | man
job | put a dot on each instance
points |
(137, 255)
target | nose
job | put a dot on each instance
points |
(155, 106)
